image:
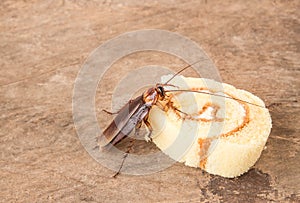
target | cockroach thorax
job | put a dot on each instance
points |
(151, 96)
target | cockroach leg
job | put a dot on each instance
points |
(137, 128)
(110, 113)
(113, 113)
(129, 149)
(160, 105)
(148, 136)
(121, 166)
(185, 114)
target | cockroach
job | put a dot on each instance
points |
(136, 111)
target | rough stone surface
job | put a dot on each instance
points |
(255, 45)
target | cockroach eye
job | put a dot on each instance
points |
(161, 91)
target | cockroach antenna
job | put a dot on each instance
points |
(217, 95)
(195, 91)
(183, 70)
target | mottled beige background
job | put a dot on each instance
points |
(43, 44)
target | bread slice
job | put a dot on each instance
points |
(223, 136)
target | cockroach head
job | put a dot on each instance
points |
(160, 90)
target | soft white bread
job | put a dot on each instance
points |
(222, 136)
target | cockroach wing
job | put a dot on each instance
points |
(121, 120)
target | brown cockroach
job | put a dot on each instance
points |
(136, 111)
(133, 113)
